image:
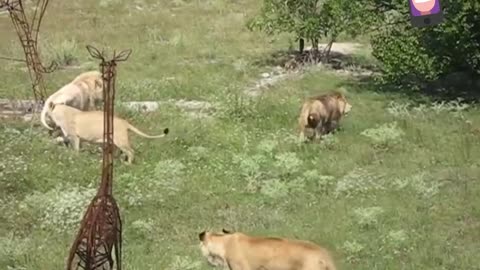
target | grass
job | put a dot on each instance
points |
(396, 188)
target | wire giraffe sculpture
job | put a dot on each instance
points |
(27, 32)
(101, 227)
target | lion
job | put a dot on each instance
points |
(239, 251)
(78, 125)
(321, 114)
(82, 93)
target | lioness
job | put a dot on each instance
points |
(81, 93)
(88, 126)
(321, 114)
(238, 251)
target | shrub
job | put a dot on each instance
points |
(353, 250)
(383, 134)
(61, 208)
(415, 57)
(359, 181)
(367, 217)
(64, 53)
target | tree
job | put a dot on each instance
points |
(313, 20)
(291, 16)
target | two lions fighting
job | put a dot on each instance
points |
(239, 251)
(72, 109)
(82, 93)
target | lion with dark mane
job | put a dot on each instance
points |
(321, 114)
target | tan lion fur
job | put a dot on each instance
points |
(238, 251)
(81, 93)
(78, 125)
(321, 114)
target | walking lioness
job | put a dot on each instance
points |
(321, 114)
(88, 126)
(238, 251)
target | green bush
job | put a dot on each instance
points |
(414, 57)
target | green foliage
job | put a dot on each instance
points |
(298, 17)
(274, 18)
(64, 53)
(367, 216)
(383, 134)
(414, 57)
(311, 19)
(344, 16)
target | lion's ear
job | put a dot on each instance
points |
(201, 236)
(226, 231)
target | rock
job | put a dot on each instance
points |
(194, 108)
(143, 106)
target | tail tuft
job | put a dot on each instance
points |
(165, 131)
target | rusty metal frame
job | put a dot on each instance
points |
(101, 227)
(27, 32)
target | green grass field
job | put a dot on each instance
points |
(396, 188)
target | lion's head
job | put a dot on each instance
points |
(343, 104)
(212, 246)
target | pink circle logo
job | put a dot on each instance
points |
(424, 6)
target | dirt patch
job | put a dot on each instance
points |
(344, 47)
(19, 109)
(269, 79)
(194, 108)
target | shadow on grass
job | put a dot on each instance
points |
(454, 86)
(451, 87)
(293, 59)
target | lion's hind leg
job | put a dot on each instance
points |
(332, 126)
(320, 130)
(121, 141)
(75, 142)
(128, 152)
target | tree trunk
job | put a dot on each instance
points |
(314, 52)
(301, 45)
(327, 50)
(314, 45)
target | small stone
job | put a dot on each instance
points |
(27, 117)
(278, 70)
(265, 75)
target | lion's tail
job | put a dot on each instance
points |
(134, 129)
(43, 114)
